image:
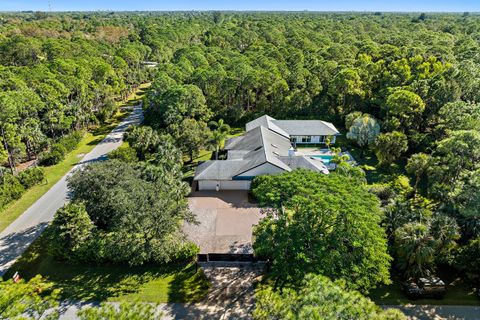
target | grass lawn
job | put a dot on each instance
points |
(150, 283)
(458, 293)
(54, 173)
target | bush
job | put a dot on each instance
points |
(71, 141)
(70, 233)
(31, 177)
(187, 252)
(125, 154)
(58, 151)
(54, 156)
(108, 111)
(10, 189)
(468, 259)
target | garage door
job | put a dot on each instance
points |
(224, 185)
(235, 185)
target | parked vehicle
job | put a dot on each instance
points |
(431, 287)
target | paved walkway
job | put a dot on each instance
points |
(18, 236)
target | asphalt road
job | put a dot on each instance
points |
(429, 312)
(18, 236)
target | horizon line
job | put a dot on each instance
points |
(230, 10)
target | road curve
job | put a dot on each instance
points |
(18, 236)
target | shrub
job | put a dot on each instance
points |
(31, 177)
(383, 191)
(71, 141)
(468, 259)
(10, 189)
(187, 252)
(70, 232)
(58, 151)
(54, 156)
(108, 111)
(125, 154)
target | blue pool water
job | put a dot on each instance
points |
(326, 158)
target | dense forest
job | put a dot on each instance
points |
(404, 90)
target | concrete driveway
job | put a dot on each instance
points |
(225, 221)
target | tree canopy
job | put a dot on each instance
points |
(319, 298)
(323, 224)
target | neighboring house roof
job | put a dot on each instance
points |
(264, 142)
(306, 127)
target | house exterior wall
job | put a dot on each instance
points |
(265, 168)
(204, 185)
(313, 139)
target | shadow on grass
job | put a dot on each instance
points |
(100, 282)
(190, 285)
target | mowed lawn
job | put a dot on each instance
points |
(180, 282)
(54, 173)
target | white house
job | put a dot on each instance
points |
(298, 131)
(266, 148)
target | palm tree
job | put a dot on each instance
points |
(416, 249)
(328, 141)
(219, 134)
(219, 125)
(217, 138)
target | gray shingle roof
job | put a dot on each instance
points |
(218, 169)
(307, 127)
(289, 128)
(264, 142)
(267, 122)
(254, 148)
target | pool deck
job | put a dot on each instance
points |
(322, 152)
(313, 152)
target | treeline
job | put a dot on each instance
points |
(55, 79)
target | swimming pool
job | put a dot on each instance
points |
(326, 158)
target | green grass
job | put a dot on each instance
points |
(149, 283)
(458, 293)
(54, 173)
(235, 132)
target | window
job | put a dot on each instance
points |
(293, 139)
(306, 139)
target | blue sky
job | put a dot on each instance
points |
(319, 5)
